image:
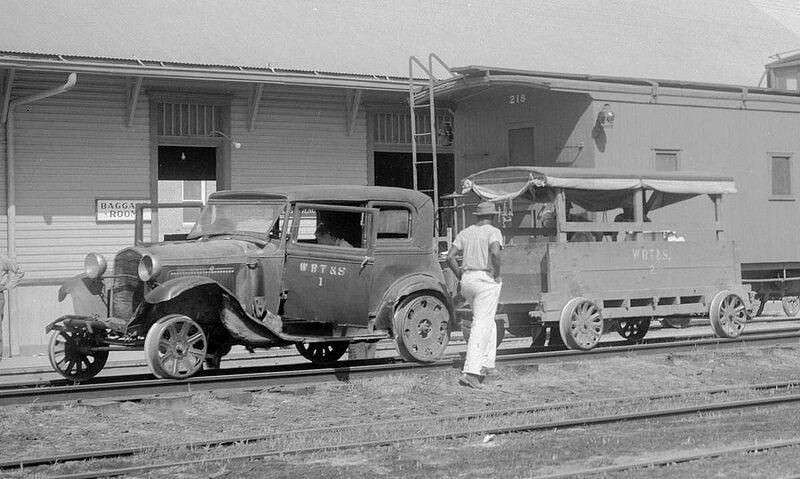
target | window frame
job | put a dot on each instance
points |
(771, 156)
(658, 150)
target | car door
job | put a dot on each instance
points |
(329, 283)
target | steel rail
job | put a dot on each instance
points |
(223, 441)
(259, 381)
(675, 459)
(530, 427)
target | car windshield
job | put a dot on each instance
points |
(248, 219)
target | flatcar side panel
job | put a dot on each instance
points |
(641, 278)
(523, 273)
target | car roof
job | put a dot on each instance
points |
(327, 193)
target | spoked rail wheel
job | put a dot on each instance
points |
(422, 328)
(633, 329)
(323, 354)
(581, 324)
(791, 305)
(175, 347)
(72, 354)
(728, 314)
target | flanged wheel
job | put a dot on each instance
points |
(791, 305)
(72, 355)
(175, 347)
(323, 354)
(633, 329)
(421, 328)
(728, 314)
(581, 324)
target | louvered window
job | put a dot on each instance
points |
(394, 128)
(188, 119)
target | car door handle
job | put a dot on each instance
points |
(365, 261)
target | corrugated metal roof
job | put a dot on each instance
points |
(723, 41)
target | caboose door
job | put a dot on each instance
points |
(328, 279)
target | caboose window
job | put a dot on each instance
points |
(781, 177)
(666, 160)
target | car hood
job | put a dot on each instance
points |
(222, 250)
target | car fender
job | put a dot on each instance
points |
(406, 286)
(88, 295)
(174, 287)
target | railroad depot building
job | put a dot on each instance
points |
(105, 109)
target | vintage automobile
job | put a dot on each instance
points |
(589, 251)
(254, 271)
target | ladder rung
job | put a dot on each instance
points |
(421, 105)
(423, 162)
(422, 134)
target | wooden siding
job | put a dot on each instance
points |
(71, 149)
(559, 120)
(300, 137)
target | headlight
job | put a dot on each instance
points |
(149, 267)
(94, 265)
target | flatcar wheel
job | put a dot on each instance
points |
(791, 305)
(421, 328)
(175, 347)
(323, 354)
(728, 314)
(581, 324)
(633, 329)
(72, 355)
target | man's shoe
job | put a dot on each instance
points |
(490, 373)
(469, 381)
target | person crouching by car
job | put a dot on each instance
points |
(479, 276)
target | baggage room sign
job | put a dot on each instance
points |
(109, 210)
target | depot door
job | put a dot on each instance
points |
(329, 283)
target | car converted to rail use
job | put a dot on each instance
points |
(319, 267)
(590, 250)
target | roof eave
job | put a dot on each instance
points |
(173, 71)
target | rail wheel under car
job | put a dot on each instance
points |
(175, 347)
(72, 354)
(633, 329)
(728, 314)
(422, 328)
(581, 324)
(791, 305)
(323, 354)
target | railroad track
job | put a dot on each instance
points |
(467, 424)
(138, 387)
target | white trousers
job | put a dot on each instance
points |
(482, 293)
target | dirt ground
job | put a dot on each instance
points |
(31, 431)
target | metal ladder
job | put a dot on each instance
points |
(412, 102)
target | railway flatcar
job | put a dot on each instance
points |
(318, 267)
(590, 251)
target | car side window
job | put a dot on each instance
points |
(393, 223)
(330, 228)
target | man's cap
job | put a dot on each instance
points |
(485, 208)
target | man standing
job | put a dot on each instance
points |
(479, 274)
(10, 275)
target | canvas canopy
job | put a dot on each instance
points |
(595, 189)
